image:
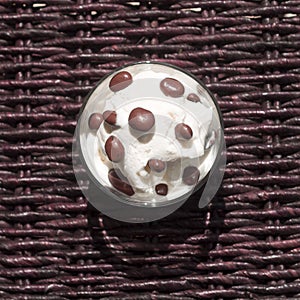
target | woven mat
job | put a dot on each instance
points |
(245, 245)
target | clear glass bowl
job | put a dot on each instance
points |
(173, 97)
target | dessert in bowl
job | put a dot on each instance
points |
(149, 133)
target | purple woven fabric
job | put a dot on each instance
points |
(245, 245)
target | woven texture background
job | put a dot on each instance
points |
(245, 245)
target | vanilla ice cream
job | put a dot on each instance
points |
(150, 133)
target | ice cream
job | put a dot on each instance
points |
(149, 132)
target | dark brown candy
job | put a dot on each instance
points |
(141, 119)
(95, 120)
(156, 165)
(183, 132)
(114, 149)
(110, 117)
(119, 182)
(161, 189)
(120, 81)
(190, 175)
(193, 97)
(172, 87)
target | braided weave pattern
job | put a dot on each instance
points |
(245, 245)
